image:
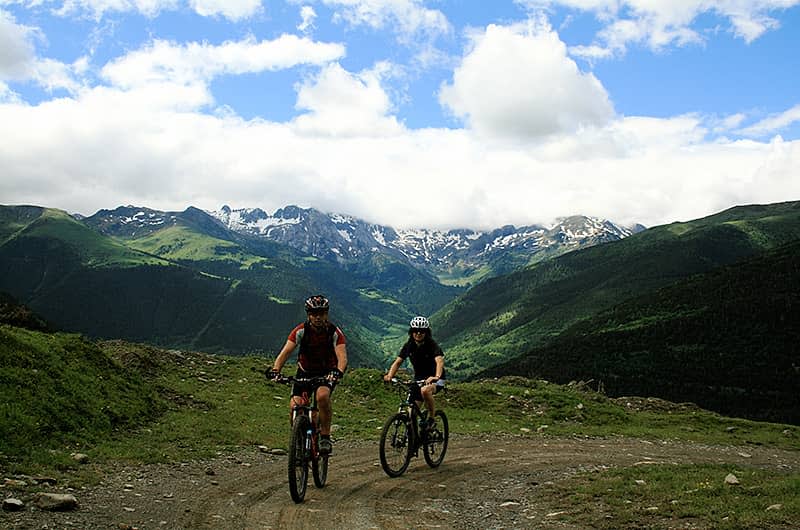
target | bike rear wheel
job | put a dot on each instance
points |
(298, 459)
(435, 445)
(395, 448)
(319, 468)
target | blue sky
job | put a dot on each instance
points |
(442, 114)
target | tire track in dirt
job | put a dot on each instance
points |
(485, 482)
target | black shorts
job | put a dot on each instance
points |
(298, 389)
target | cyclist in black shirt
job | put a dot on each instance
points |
(427, 359)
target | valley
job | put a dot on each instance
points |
(537, 301)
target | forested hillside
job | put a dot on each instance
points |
(726, 340)
(80, 280)
(504, 318)
(184, 280)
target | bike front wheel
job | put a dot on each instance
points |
(319, 468)
(395, 448)
(298, 459)
(435, 445)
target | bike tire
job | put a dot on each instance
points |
(319, 469)
(435, 445)
(298, 459)
(396, 441)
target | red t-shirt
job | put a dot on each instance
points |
(317, 352)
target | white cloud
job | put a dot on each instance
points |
(19, 62)
(17, 52)
(98, 8)
(518, 81)
(662, 23)
(234, 10)
(7, 95)
(164, 61)
(53, 75)
(343, 104)
(408, 18)
(590, 52)
(154, 137)
(308, 15)
(231, 9)
(773, 123)
(108, 146)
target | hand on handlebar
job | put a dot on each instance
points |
(335, 375)
(273, 374)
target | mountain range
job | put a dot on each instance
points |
(539, 301)
(215, 281)
(460, 256)
(505, 317)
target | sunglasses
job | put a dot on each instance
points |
(316, 312)
(418, 331)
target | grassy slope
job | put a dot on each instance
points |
(122, 401)
(285, 284)
(505, 317)
(210, 402)
(54, 229)
(369, 299)
(80, 280)
(59, 390)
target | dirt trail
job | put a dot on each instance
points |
(484, 482)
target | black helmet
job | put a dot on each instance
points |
(317, 303)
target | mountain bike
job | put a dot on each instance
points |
(406, 431)
(304, 441)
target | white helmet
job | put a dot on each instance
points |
(420, 323)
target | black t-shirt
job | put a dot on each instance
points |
(423, 357)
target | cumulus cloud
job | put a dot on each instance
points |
(108, 146)
(342, 104)
(163, 61)
(19, 62)
(17, 52)
(661, 23)
(541, 138)
(518, 81)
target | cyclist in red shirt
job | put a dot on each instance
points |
(323, 353)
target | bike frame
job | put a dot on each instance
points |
(305, 406)
(308, 408)
(410, 407)
(402, 437)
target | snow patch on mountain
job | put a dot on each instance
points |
(343, 237)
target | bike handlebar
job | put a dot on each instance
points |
(396, 381)
(289, 379)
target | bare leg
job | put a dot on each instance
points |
(325, 409)
(296, 400)
(427, 394)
